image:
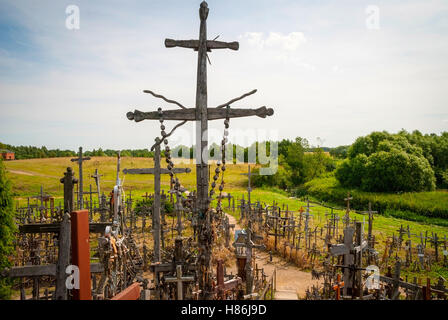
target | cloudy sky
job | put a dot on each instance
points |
(330, 69)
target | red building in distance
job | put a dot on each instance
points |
(7, 155)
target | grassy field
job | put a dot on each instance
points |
(28, 175)
(430, 207)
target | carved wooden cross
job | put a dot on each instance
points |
(307, 217)
(42, 197)
(249, 246)
(156, 171)
(370, 237)
(436, 241)
(180, 281)
(347, 211)
(249, 189)
(202, 114)
(349, 251)
(276, 233)
(80, 160)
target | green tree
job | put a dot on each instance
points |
(384, 162)
(7, 229)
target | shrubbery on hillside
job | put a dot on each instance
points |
(6, 231)
(384, 162)
(423, 204)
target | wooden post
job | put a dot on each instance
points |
(359, 258)
(396, 284)
(81, 253)
(156, 208)
(63, 257)
(428, 289)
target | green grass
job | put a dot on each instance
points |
(428, 207)
(28, 175)
(47, 172)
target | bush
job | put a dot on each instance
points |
(381, 162)
(7, 230)
(144, 206)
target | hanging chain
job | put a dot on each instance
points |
(174, 180)
(221, 170)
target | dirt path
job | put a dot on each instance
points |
(291, 281)
(21, 172)
(29, 173)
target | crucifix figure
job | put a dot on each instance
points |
(80, 160)
(201, 114)
(156, 171)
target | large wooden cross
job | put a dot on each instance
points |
(249, 189)
(350, 252)
(80, 160)
(275, 216)
(42, 198)
(307, 219)
(156, 171)
(201, 113)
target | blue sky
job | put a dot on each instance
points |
(315, 62)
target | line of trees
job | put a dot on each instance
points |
(30, 152)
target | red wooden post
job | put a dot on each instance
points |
(130, 293)
(428, 289)
(81, 253)
(338, 287)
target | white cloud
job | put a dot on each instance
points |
(323, 73)
(275, 40)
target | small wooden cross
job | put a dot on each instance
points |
(156, 171)
(80, 161)
(179, 279)
(97, 177)
(249, 188)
